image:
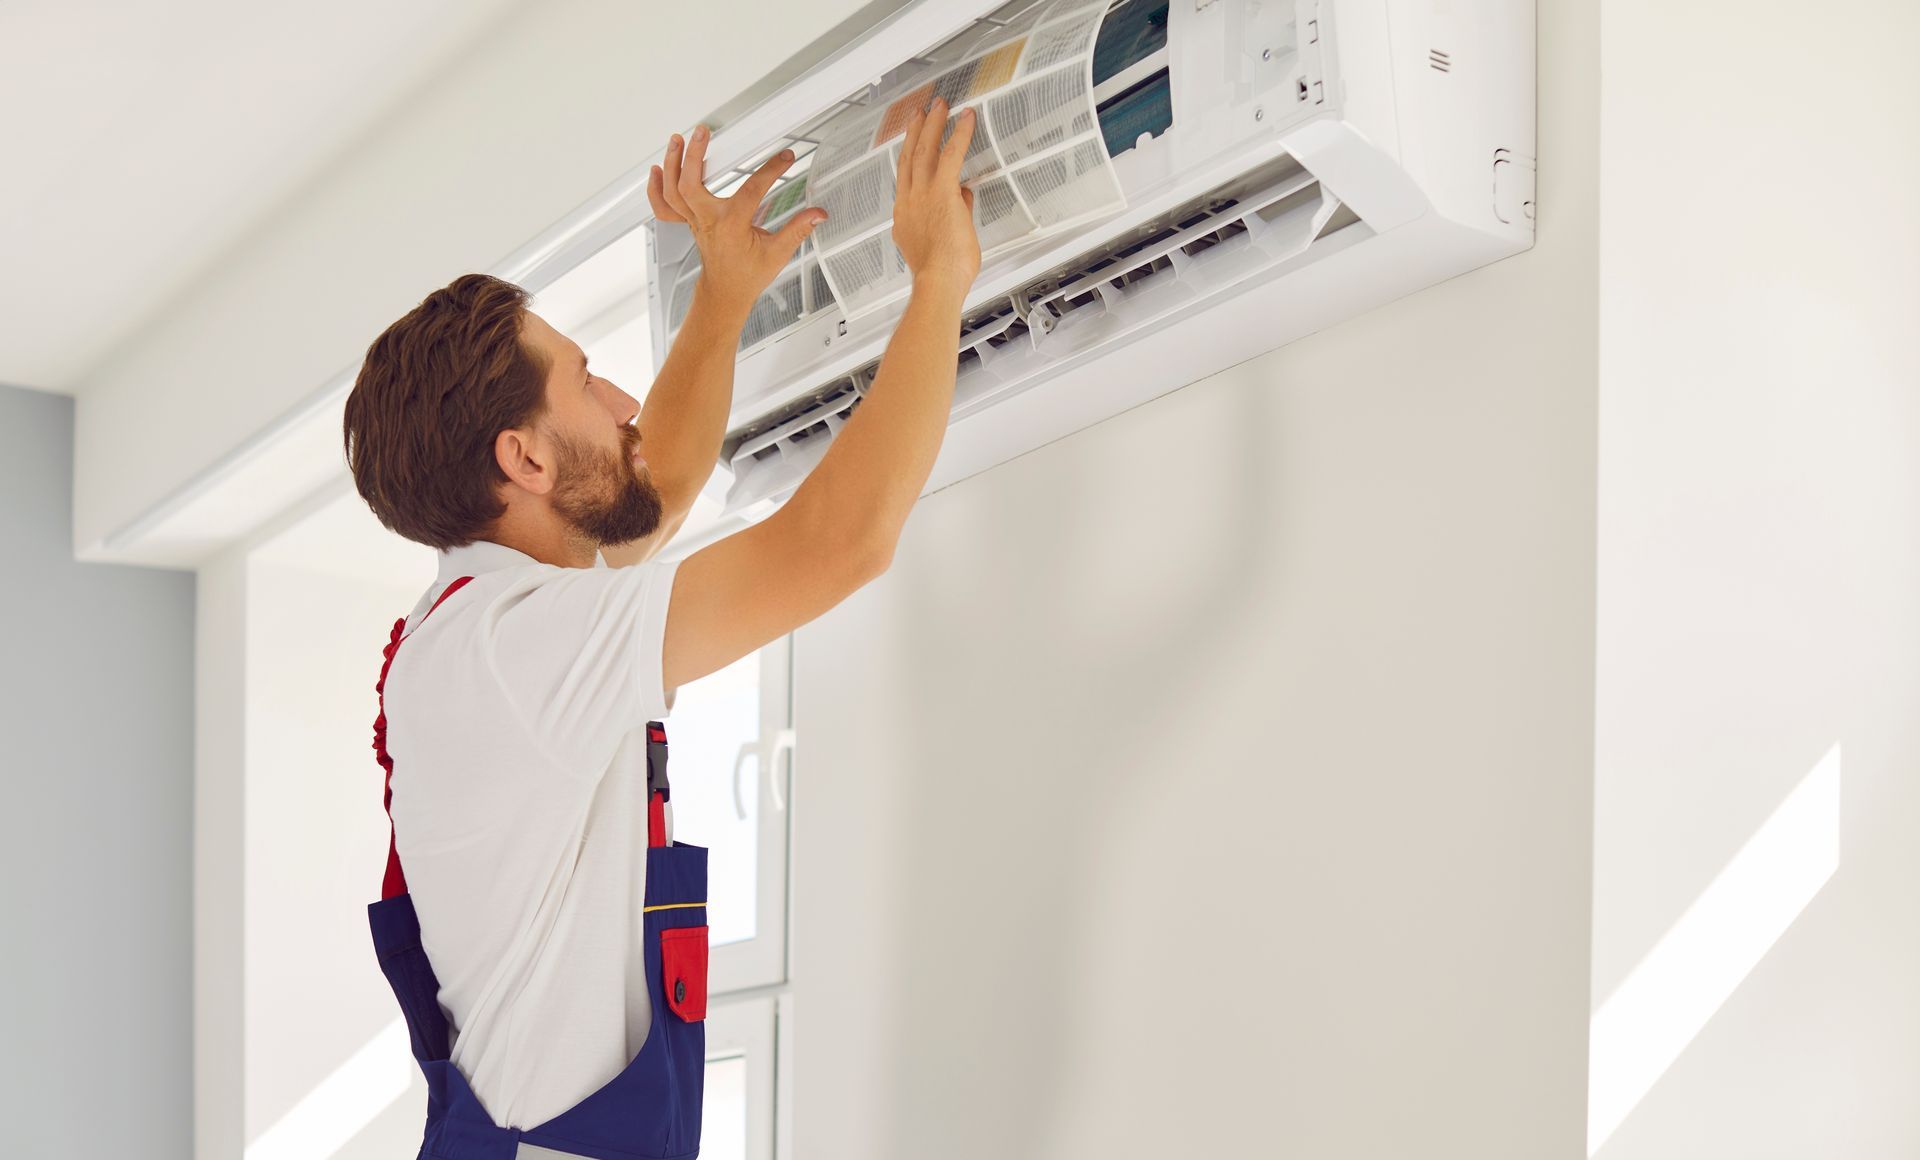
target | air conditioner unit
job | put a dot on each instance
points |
(1164, 188)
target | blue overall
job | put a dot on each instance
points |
(651, 1109)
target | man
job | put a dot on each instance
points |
(545, 936)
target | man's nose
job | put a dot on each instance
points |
(623, 407)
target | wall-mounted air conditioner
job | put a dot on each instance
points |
(1163, 188)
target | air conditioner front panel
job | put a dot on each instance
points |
(1181, 159)
(1278, 155)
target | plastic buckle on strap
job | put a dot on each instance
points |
(657, 761)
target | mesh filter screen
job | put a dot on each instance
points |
(1038, 162)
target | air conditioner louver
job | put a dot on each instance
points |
(1255, 225)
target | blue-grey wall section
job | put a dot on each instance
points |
(96, 831)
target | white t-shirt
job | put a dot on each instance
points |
(516, 722)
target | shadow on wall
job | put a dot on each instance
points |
(1055, 787)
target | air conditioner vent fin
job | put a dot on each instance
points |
(1441, 61)
(769, 438)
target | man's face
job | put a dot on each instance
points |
(602, 488)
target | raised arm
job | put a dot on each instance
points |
(839, 529)
(684, 416)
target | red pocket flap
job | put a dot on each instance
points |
(683, 970)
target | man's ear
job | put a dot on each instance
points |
(522, 455)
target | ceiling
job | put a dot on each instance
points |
(145, 139)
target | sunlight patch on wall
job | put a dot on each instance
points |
(343, 1103)
(1670, 995)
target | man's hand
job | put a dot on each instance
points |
(684, 416)
(738, 260)
(932, 211)
(839, 529)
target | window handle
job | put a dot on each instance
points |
(750, 749)
(782, 746)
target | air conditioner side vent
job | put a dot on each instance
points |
(1343, 216)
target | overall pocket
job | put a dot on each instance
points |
(683, 970)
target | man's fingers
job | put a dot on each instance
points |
(670, 166)
(926, 147)
(966, 195)
(693, 171)
(695, 162)
(670, 194)
(796, 231)
(657, 197)
(954, 153)
(754, 189)
(903, 169)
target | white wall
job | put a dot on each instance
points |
(1759, 559)
(219, 857)
(290, 841)
(1216, 781)
(96, 837)
(546, 111)
(317, 843)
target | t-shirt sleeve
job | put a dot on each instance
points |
(579, 653)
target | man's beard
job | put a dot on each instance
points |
(603, 497)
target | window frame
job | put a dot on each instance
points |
(749, 1028)
(761, 961)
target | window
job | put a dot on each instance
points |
(729, 737)
(742, 1044)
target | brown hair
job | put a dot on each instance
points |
(436, 388)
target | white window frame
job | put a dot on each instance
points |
(750, 1029)
(761, 961)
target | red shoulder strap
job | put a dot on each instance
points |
(396, 880)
